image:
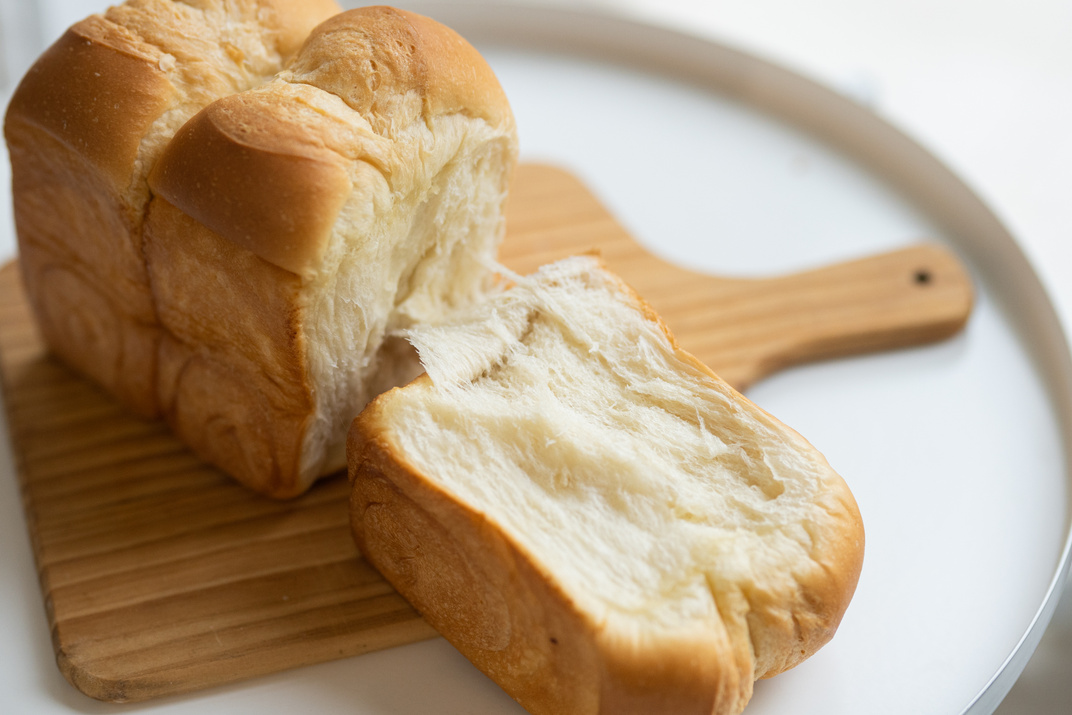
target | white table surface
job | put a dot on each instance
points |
(986, 85)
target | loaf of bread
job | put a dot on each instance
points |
(84, 129)
(224, 213)
(590, 515)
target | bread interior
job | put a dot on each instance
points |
(397, 258)
(642, 482)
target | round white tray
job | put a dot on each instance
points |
(956, 452)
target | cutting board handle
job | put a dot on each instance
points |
(746, 329)
(907, 297)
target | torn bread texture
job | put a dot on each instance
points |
(591, 516)
(285, 204)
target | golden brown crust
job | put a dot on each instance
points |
(233, 383)
(252, 172)
(73, 141)
(101, 121)
(399, 52)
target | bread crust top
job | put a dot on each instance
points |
(398, 52)
(100, 87)
(287, 168)
(104, 122)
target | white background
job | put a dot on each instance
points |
(984, 85)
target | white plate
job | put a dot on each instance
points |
(955, 452)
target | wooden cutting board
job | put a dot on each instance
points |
(162, 576)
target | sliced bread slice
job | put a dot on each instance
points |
(593, 517)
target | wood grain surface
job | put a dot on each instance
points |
(161, 576)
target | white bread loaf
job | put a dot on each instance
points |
(84, 129)
(273, 239)
(591, 516)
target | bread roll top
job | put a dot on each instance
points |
(104, 122)
(104, 84)
(378, 59)
(280, 153)
(261, 172)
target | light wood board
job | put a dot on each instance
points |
(161, 576)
